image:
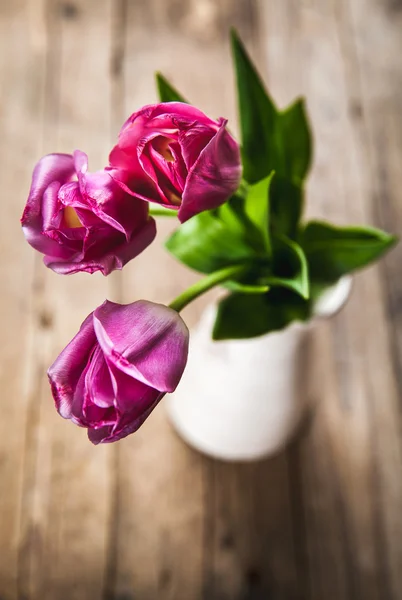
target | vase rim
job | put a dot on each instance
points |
(332, 300)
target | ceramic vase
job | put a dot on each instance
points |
(240, 400)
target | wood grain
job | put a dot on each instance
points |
(21, 110)
(150, 518)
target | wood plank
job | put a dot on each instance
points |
(22, 70)
(157, 548)
(187, 546)
(83, 481)
(65, 506)
(375, 76)
(250, 536)
(345, 463)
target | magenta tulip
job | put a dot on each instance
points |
(174, 155)
(90, 224)
(117, 368)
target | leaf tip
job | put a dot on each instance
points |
(393, 239)
(305, 292)
(234, 36)
(236, 42)
(160, 82)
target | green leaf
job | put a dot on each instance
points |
(272, 140)
(334, 251)
(233, 214)
(167, 93)
(257, 209)
(207, 244)
(296, 139)
(290, 268)
(286, 200)
(258, 116)
(242, 316)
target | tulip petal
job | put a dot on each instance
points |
(70, 195)
(80, 163)
(107, 199)
(49, 174)
(34, 230)
(98, 382)
(67, 369)
(137, 165)
(86, 225)
(84, 412)
(112, 204)
(107, 262)
(194, 140)
(124, 427)
(141, 187)
(129, 423)
(168, 169)
(97, 435)
(52, 209)
(51, 168)
(147, 341)
(163, 184)
(214, 177)
(172, 115)
(131, 396)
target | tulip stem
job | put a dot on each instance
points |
(161, 211)
(205, 284)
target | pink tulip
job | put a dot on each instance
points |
(174, 155)
(118, 367)
(83, 221)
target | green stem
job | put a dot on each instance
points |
(205, 284)
(161, 211)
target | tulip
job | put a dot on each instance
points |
(174, 155)
(89, 224)
(118, 367)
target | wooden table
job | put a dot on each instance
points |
(148, 518)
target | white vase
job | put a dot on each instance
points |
(238, 399)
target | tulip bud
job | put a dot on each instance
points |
(89, 224)
(117, 368)
(174, 155)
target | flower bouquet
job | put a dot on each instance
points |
(239, 210)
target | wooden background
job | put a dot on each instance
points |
(148, 518)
